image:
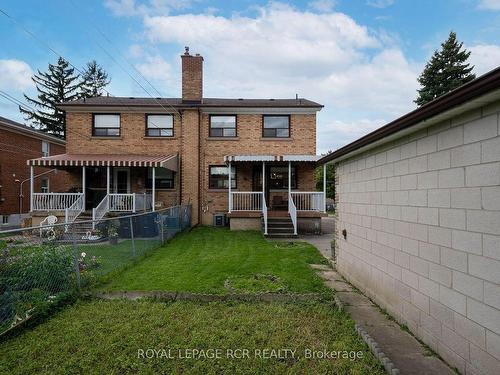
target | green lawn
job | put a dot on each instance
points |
(209, 260)
(101, 337)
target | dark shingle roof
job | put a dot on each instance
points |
(207, 102)
(28, 129)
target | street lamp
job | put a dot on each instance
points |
(21, 196)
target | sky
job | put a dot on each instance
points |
(359, 58)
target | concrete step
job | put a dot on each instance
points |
(281, 235)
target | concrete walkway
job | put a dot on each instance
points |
(402, 349)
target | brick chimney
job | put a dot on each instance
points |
(192, 77)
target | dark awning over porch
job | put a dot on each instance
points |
(275, 158)
(88, 160)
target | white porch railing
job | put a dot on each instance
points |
(309, 201)
(54, 201)
(72, 212)
(246, 201)
(122, 202)
(100, 211)
(292, 210)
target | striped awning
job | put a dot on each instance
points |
(243, 158)
(87, 160)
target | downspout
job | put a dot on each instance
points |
(179, 161)
(199, 166)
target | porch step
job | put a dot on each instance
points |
(279, 227)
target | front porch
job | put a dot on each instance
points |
(276, 204)
(106, 184)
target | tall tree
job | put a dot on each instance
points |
(57, 85)
(94, 80)
(446, 70)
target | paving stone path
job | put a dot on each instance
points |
(403, 350)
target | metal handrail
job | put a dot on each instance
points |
(264, 213)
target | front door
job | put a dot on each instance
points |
(257, 181)
(121, 180)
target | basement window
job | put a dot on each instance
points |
(159, 125)
(223, 126)
(106, 125)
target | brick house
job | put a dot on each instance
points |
(144, 153)
(418, 222)
(18, 143)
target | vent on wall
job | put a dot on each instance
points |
(219, 220)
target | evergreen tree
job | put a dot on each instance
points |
(94, 80)
(59, 84)
(447, 70)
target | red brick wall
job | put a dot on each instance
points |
(192, 77)
(15, 150)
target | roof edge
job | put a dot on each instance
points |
(471, 90)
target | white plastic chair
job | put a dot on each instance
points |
(46, 224)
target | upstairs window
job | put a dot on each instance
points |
(219, 177)
(222, 126)
(45, 149)
(159, 125)
(107, 125)
(274, 126)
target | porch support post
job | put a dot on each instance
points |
(229, 189)
(83, 185)
(324, 187)
(264, 181)
(153, 203)
(32, 186)
(107, 184)
(290, 179)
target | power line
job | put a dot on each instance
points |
(46, 45)
(128, 62)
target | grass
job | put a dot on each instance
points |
(104, 337)
(208, 260)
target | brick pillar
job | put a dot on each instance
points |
(192, 77)
(190, 162)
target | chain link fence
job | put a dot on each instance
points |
(43, 266)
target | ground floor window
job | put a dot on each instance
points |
(45, 185)
(164, 178)
(276, 177)
(219, 177)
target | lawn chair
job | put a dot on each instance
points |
(47, 224)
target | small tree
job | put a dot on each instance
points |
(94, 80)
(57, 85)
(446, 70)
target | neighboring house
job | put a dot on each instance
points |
(418, 222)
(18, 143)
(135, 154)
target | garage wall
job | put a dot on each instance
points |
(422, 216)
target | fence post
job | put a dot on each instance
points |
(161, 229)
(77, 266)
(132, 236)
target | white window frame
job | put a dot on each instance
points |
(47, 188)
(45, 153)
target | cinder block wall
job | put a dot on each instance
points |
(422, 216)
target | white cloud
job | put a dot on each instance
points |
(160, 74)
(128, 8)
(379, 3)
(15, 75)
(322, 5)
(489, 4)
(339, 133)
(485, 57)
